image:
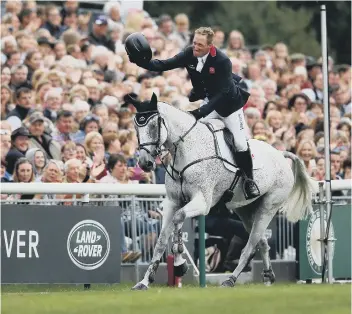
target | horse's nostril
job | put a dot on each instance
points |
(149, 164)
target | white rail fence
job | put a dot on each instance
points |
(114, 189)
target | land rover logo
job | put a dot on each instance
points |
(312, 241)
(88, 245)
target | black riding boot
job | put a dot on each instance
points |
(244, 162)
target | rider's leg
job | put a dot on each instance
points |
(212, 115)
(236, 124)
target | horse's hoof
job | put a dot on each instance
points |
(140, 286)
(174, 248)
(180, 270)
(229, 283)
(268, 277)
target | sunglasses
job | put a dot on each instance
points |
(91, 118)
(5, 132)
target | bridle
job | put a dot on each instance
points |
(158, 150)
(156, 143)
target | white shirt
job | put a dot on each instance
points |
(201, 62)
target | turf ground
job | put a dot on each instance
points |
(116, 299)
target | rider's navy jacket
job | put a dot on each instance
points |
(216, 80)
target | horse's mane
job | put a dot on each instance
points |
(163, 104)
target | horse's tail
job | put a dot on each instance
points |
(299, 202)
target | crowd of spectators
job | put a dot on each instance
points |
(65, 76)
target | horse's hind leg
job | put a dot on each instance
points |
(268, 274)
(263, 214)
(166, 229)
(246, 214)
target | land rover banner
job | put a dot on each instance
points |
(310, 262)
(60, 244)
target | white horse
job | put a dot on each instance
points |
(198, 178)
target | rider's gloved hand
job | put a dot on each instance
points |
(196, 113)
(139, 62)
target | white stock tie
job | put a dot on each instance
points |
(200, 64)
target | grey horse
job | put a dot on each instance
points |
(198, 178)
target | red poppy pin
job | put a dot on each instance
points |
(211, 70)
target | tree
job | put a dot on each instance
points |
(338, 25)
(260, 22)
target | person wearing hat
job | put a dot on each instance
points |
(98, 34)
(211, 75)
(20, 144)
(41, 140)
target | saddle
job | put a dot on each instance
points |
(224, 145)
(225, 150)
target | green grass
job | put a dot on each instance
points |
(116, 299)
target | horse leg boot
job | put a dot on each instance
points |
(268, 274)
(180, 264)
(166, 230)
(244, 161)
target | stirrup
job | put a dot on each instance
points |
(227, 196)
(250, 194)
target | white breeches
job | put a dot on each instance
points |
(236, 123)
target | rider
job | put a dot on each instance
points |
(211, 74)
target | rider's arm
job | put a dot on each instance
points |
(224, 73)
(177, 61)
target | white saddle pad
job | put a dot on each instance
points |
(226, 153)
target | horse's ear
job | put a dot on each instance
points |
(154, 101)
(133, 101)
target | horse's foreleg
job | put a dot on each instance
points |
(166, 230)
(195, 207)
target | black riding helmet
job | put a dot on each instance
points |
(138, 48)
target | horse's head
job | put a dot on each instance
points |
(151, 131)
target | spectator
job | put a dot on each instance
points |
(53, 23)
(64, 127)
(24, 105)
(307, 152)
(98, 34)
(38, 160)
(52, 103)
(40, 139)
(336, 162)
(6, 101)
(72, 170)
(89, 123)
(81, 154)
(33, 62)
(5, 75)
(20, 144)
(251, 115)
(68, 151)
(23, 171)
(5, 136)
